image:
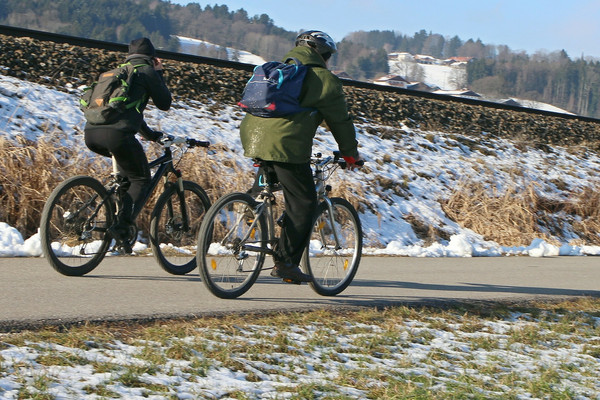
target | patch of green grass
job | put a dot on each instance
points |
(526, 335)
(349, 347)
(131, 376)
(593, 351)
(311, 391)
(548, 385)
(179, 351)
(199, 366)
(104, 367)
(484, 342)
(100, 390)
(36, 388)
(153, 355)
(49, 358)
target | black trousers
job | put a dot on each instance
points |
(131, 161)
(300, 205)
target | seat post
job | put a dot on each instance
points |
(115, 166)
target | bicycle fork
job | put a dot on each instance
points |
(330, 213)
(185, 223)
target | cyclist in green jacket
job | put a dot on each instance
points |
(286, 144)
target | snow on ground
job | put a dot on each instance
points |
(452, 80)
(428, 164)
(437, 351)
(191, 46)
(446, 77)
(517, 355)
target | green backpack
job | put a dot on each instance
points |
(106, 99)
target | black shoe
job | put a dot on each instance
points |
(290, 273)
(120, 232)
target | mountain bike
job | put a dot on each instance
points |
(239, 231)
(76, 218)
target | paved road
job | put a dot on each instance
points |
(32, 293)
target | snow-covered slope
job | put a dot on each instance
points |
(407, 172)
(192, 46)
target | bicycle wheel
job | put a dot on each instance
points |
(74, 222)
(332, 263)
(174, 227)
(230, 235)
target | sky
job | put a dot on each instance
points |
(528, 25)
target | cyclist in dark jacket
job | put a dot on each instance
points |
(118, 139)
(286, 144)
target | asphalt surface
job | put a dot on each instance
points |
(32, 294)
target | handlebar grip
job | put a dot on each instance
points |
(344, 164)
(197, 143)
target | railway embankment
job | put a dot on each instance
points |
(64, 65)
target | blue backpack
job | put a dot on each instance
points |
(274, 89)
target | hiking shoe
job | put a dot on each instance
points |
(120, 232)
(290, 273)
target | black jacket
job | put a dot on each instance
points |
(147, 84)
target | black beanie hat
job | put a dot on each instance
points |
(142, 46)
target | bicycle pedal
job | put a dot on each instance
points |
(293, 282)
(122, 247)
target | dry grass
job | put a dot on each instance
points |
(507, 218)
(30, 170)
(586, 205)
(519, 215)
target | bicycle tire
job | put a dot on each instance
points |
(228, 270)
(333, 269)
(174, 246)
(73, 239)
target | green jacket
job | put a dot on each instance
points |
(290, 139)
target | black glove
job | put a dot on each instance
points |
(155, 136)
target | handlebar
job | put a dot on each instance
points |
(169, 140)
(337, 158)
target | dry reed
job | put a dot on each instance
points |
(519, 215)
(30, 170)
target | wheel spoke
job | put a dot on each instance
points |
(74, 224)
(174, 227)
(229, 236)
(335, 248)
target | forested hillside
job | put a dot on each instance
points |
(495, 71)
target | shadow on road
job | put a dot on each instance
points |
(476, 287)
(401, 285)
(166, 278)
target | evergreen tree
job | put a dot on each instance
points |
(494, 70)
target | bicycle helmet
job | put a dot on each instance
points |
(320, 41)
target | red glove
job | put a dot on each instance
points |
(352, 162)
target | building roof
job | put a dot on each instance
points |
(461, 93)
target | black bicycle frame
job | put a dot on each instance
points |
(165, 166)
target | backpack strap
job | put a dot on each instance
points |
(297, 65)
(138, 103)
(128, 82)
(294, 59)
